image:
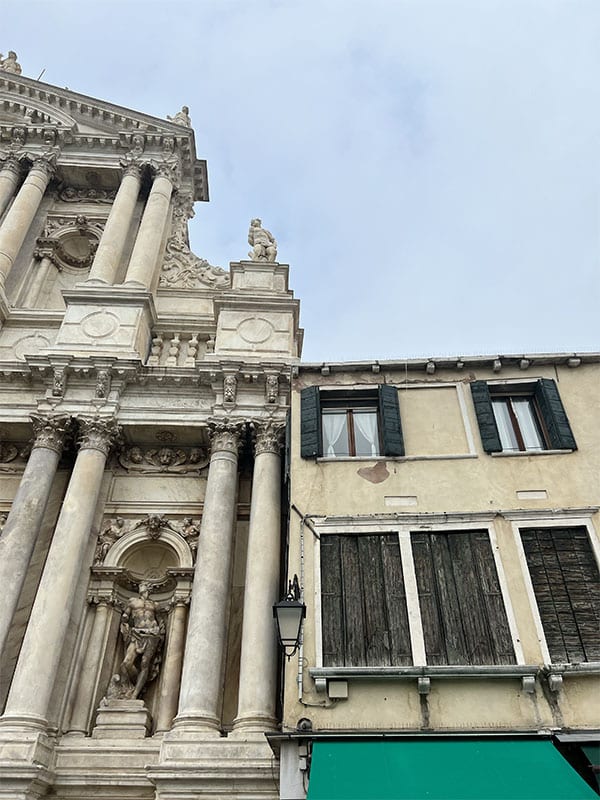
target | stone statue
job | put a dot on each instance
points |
(143, 637)
(109, 535)
(182, 117)
(264, 246)
(10, 63)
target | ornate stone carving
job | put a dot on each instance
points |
(51, 432)
(272, 389)
(190, 532)
(98, 434)
(72, 195)
(268, 437)
(59, 382)
(262, 242)
(225, 436)
(102, 383)
(46, 164)
(107, 537)
(181, 117)
(163, 459)
(10, 162)
(143, 634)
(229, 388)
(8, 452)
(70, 241)
(10, 63)
(138, 143)
(168, 145)
(181, 268)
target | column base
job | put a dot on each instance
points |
(248, 724)
(25, 757)
(201, 725)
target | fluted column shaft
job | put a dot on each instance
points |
(27, 513)
(258, 662)
(9, 178)
(145, 253)
(114, 237)
(37, 667)
(205, 645)
(171, 678)
(20, 215)
(89, 670)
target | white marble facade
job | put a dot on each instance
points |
(143, 396)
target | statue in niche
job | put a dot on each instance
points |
(143, 635)
(109, 535)
(182, 117)
(262, 241)
(10, 63)
(190, 532)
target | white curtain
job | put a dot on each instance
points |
(529, 430)
(333, 426)
(508, 440)
(366, 422)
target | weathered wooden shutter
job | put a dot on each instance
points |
(463, 615)
(490, 438)
(389, 416)
(310, 423)
(363, 602)
(566, 584)
(553, 412)
(288, 444)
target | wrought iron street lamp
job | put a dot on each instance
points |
(289, 614)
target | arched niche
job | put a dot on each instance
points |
(137, 548)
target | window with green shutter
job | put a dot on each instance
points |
(350, 423)
(521, 417)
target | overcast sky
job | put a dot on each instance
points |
(430, 168)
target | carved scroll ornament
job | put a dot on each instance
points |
(163, 459)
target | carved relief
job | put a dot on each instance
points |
(181, 268)
(107, 537)
(70, 241)
(268, 437)
(51, 432)
(102, 383)
(229, 388)
(152, 524)
(30, 345)
(100, 324)
(163, 459)
(272, 389)
(59, 382)
(8, 452)
(71, 194)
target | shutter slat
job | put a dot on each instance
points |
(490, 438)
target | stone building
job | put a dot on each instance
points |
(444, 529)
(143, 395)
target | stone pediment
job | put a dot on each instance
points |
(34, 115)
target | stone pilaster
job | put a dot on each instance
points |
(9, 179)
(172, 663)
(258, 662)
(17, 221)
(142, 264)
(114, 237)
(27, 513)
(37, 666)
(201, 680)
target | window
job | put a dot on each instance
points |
(521, 417)
(566, 583)
(349, 423)
(457, 611)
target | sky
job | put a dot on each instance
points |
(429, 168)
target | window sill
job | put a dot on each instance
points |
(450, 457)
(525, 672)
(521, 453)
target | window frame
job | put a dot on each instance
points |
(416, 632)
(519, 523)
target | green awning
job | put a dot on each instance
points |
(451, 769)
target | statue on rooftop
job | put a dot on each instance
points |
(182, 117)
(10, 63)
(262, 241)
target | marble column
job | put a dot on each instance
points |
(147, 245)
(258, 661)
(114, 237)
(9, 178)
(201, 680)
(88, 678)
(17, 221)
(41, 651)
(27, 513)
(172, 663)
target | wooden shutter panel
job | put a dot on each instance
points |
(553, 412)
(490, 438)
(288, 443)
(310, 423)
(389, 416)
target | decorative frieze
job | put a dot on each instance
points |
(163, 460)
(70, 194)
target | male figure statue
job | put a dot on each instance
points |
(264, 246)
(142, 635)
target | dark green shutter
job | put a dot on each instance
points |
(490, 438)
(288, 442)
(554, 416)
(392, 440)
(310, 423)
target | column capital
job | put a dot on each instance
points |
(169, 168)
(131, 166)
(10, 163)
(98, 433)
(51, 431)
(45, 164)
(267, 437)
(225, 436)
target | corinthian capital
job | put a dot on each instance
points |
(98, 433)
(45, 164)
(51, 431)
(170, 168)
(268, 437)
(9, 162)
(225, 436)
